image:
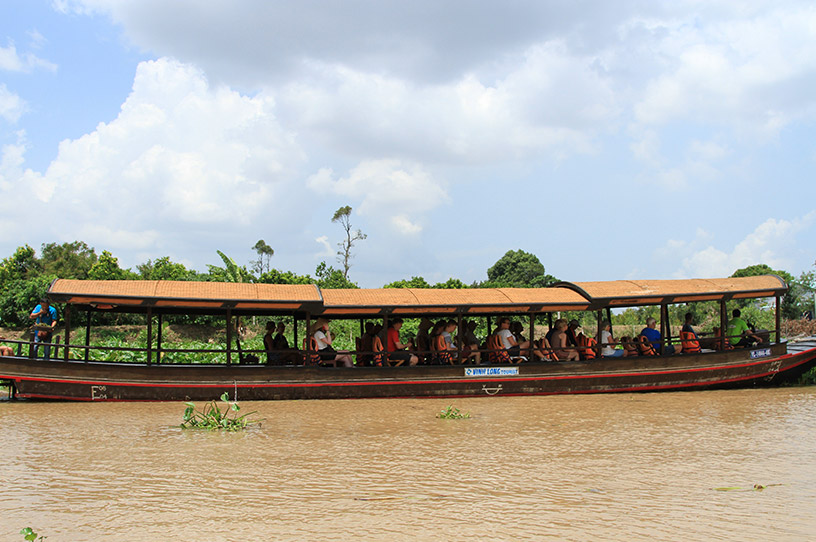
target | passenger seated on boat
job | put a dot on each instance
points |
(559, 342)
(587, 347)
(645, 347)
(5, 350)
(280, 344)
(436, 332)
(572, 333)
(517, 329)
(689, 341)
(470, 343)
(365, 350)
(508, 340)
(310, 354)
(719, 344)
(397, 351)
(423, 340)
(323, 339)
(607, 342)
(443, 344)
(543, 351)
(739, 333)
(449, 347)
(496, 353)
(629, 347)
(651, 333)
(272, 357)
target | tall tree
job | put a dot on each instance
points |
(164, 269)
(790, 301)
(330, 278)
(23, 264)
(518, 269)
(342, 215)
(414, 282)
(107, 268)
(265, 252)
(68, 260)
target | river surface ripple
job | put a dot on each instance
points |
(614, 467)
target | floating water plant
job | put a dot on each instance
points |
(214, 418)
(29, 534)
(452, 413)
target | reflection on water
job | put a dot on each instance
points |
(621, 467)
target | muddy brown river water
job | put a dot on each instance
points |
(670, 466)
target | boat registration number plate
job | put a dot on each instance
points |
(491, 371)
(763, 353)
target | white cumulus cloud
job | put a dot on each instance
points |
(396, 194)
(181, 153)
(771, 243)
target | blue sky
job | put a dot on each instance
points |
(612, 140)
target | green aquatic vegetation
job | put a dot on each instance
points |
(452, 413)
(214, 418)
(809, 378)
(29, 534)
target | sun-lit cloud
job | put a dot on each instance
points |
(11, 105)
(770, 243)
(391, 192)
(179, 152)
(11, 60)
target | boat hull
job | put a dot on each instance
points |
(80, 381)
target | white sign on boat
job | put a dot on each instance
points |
(491, 371)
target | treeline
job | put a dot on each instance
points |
(26, 275)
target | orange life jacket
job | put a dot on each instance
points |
(496, 352)
(546, 349)
(311, 357)
(379, 356)
(645, 347)
(690, 343)
(719, 343)
(585, 346)
(441, 347)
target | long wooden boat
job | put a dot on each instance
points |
(67, 378)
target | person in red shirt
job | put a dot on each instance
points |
(397, 352)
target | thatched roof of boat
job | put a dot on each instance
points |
(217, 297)
(439, 301)
(627, 293)
(174, 294)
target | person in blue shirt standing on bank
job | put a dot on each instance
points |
(45, 315)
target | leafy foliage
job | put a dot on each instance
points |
(165, 269)
(413, 282)
(68, 260)
(452, 413)
(29, 534)
(420, 282)
(518, 269)
(231, 272)
(330, 278)
(213, 418)
(107, 268)
(21, 265)
(20, 297)
(790, 301)
(274, 276)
